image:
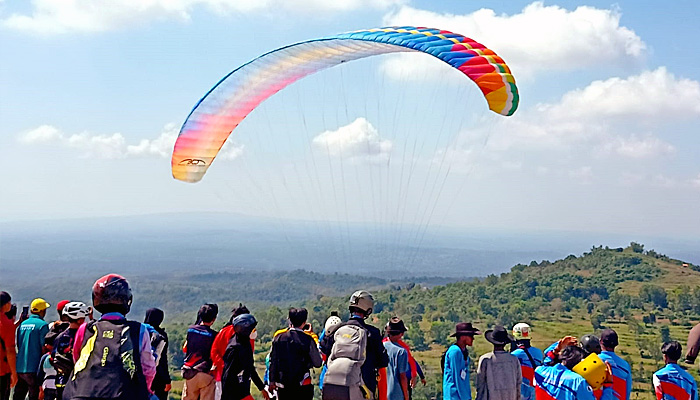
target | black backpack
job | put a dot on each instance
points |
(465, 353)
(109, 366)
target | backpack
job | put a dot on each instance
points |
(347, 356)
(109, 366)
(465, 353)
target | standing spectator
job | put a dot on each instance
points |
(370, 354)
(558, 381)
(30, 346)
(61, 324)
(199, 383)
(75, 313)
(100, 362)
(161, 383)
(530, 358)
(622, 373)
(294, 353)
(219, 347)
(399, 370)
(498, 375)
(47, 373)
(8, 353)
(672, 382)
(239, 365)
(455, 377)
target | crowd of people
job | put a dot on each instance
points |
(79, 357)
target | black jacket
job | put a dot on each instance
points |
(239, 369)
(376, 353)
(293, 353)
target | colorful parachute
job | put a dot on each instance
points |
(220, 111)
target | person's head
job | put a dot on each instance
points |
(5, 302)
(154, 317)
(521, 332)
(672, 352)
(609, 340)
(361, 303)
(59, 309)
(464, 333)
(297, 317)
(572, 355)
(39, 306)
(112, 293)
(236, 311)
(331, 322)
(395, 329)
(590, 343)
(207, 314)
(76, 312)
(244, 325)
(498, 337)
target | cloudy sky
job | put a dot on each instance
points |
(93, 93)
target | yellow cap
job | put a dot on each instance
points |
(39, 305)
(593, 370)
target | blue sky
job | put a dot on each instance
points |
(605, 140)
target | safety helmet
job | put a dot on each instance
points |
(76, 310)
(590, 343)
(521, 331)
(363, 300)
(332, 321)
(244, 324)
(593, 370)
(112, 289)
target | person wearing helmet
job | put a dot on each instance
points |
(218, 348)
(672, 382)
(560, 382)
(360, 306)
(622, 373)
(30, 348)
(239, 367)
(112, 355)
(590, 343)
(75, 313)
(530, 358)
(331, 322)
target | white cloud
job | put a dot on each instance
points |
(696, 181)
(358, 140)
(58, 17)
(115, 146)
(655, 94)
(582, 175)
(634, 147)
(548, 37)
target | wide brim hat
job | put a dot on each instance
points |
(465, 328)
(498, 336)
(396, 326)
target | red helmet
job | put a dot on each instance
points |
(113, 290)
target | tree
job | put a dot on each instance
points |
(654, 294)
(597, 320)
(636, 247)
(665, 334)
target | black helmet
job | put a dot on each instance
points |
(112, 293)
(590, 343)
(244, 324)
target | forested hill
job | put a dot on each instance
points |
(647, 297)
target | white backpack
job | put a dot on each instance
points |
(347, 356)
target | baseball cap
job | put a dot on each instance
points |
(61, 304)
(39, 304)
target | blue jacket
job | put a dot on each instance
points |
(527, 388)
(622, 374)
(674, 383)
(455, 378)
(557, 382)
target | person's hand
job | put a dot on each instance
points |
(41, 393)
(168, 387)
(422, 380)
(272, 386)
(13, 379)
(413, 382)
(265, 394)
(608, 370)
(564, 342)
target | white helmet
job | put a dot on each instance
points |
(332, 321)
(521, 331)
(76, 310)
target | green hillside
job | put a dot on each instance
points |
(645, 296)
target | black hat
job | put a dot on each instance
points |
(498, 336)
(395, 325)
(608, 338)
(465, 328)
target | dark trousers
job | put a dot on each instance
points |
(27, 383)
(305, 392)
(5, 387)
(51, 394)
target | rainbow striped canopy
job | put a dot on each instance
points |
(219, 112)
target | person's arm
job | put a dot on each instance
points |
(316, 359)
(519, 380)
(326, 344)
(272, 376)
(404, 369)
(78, 342)
(657, 387)
(148, 363)
(693, 346)
(481, 387)
(11, 354)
